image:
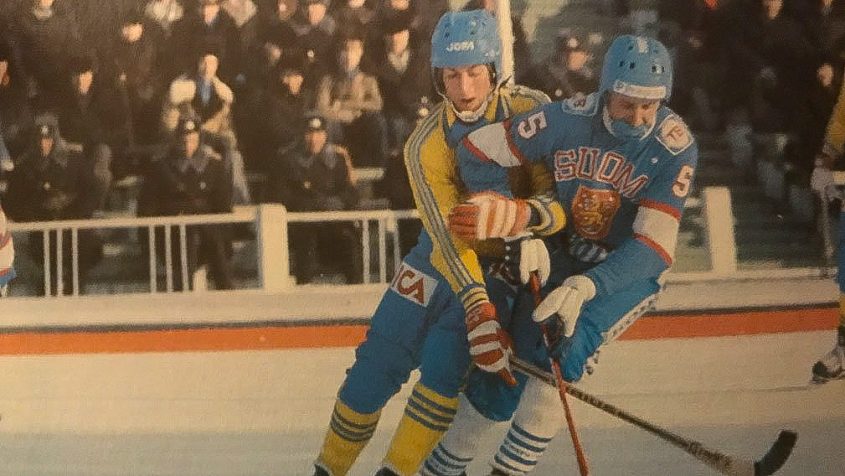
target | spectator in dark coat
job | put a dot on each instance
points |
(315, 30)
(207, 28)
(692, 30)
(133, 64)
(770, 61)
(285, 105)
(47, 37)
(52, 181)
(566, 72)
(15, 113)
(92, 115)
(353, 14)
(191, 179)
(404, 78)
(315, 175)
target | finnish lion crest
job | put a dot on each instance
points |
(593, 211)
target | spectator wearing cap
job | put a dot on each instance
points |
(350, 101)
(207, 97)
(207, 28)
(191, 179)
(566, 72)
(47, 38)
(404, 78)
(315, 29)
(54, 181)
(315, 175)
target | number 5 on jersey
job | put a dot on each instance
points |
(683, 182)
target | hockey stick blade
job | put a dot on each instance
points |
(722, 462)
(777, 455)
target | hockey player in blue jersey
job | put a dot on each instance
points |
(437, 315)
(623, 164)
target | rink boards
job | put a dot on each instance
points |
(312, 317)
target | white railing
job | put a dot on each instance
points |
(271, 227)
(246, 215)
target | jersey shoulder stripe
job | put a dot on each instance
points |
(427, 201)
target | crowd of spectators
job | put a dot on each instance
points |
(773, 66)
(114, 83)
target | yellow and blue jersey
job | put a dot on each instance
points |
(437, 187)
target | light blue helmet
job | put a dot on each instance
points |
(637, 66)
(465, 38)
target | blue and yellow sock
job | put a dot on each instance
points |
(348, 434)
(427, 416)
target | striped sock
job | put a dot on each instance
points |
(427, 416)
(459, 445)
(348, 434)
(536, 421)
(520, 451)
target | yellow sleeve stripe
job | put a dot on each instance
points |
(430, 212)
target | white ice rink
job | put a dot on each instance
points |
(264, 412)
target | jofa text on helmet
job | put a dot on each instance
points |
(461, 46)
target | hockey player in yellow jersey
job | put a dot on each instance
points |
(437, 315)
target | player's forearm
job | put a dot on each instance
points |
(617, 272)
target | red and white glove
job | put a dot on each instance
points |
(566, 301)
(489, 215)
(489, 345)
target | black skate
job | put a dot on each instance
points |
(830, 366)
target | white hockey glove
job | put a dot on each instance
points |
(489, 215)
(566, 301)
(528, 255)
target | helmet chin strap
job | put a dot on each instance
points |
(623, 130)
(473, 116)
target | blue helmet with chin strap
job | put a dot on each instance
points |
(467, 38)
(638, 67)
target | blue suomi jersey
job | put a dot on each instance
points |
(626, 195)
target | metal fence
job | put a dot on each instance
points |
(379, 235)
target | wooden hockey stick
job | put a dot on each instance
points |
(722, 462)
(583, 466)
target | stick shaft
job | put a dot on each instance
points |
(583, 465)
(717, 460)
